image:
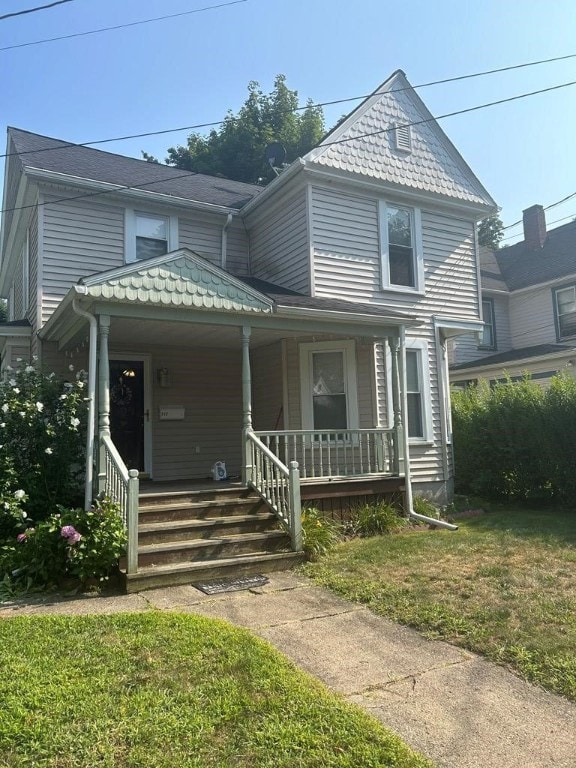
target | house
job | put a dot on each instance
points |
(297, 332)
(528, 308)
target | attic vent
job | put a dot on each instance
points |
(403, 138)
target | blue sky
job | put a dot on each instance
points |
(193, 69)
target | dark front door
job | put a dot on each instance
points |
(127, 410)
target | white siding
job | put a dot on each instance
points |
(81, 237)
(532, 318)
(465, 348)
(279, 245)
(203, 234)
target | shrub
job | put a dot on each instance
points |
(318, 532)
(423, 506)
(376, 519)
(70, 544)
(41, 440)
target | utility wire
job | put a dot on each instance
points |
(547, 208)
(117, 26)
(33, 10)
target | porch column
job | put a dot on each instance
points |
(246, 403)
(103, 395)
(394, 344)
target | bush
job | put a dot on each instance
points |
(319, 534)
(70, 544)
(42, 423)
(423, 506)
(376, 519)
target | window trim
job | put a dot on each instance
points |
(555, 292)
(26, 275)
(348, 349)
(491, 324)
(421, 348)
(417, 255)
(130, 232)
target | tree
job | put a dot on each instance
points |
(236, 149)
(3, 312)
(490, 232)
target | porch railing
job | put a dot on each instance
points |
(277, 484)
(122, 486)
(334, 452)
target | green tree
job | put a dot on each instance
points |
(490, 232)
(236, 149)
(3, 313)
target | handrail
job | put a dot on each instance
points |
(122, 486)
(277, 484)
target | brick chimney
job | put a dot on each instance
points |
(534, 221)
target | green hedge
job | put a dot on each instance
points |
(516, 440)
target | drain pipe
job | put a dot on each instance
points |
(89, 479)
(225, 241)
(406, 449)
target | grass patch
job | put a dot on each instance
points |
(165, 690)
(503, 585)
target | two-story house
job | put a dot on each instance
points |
(528, 308)
(297, 332)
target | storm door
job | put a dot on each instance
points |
(127, 411)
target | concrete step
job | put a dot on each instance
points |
(223, 547)
(197, 510)
(208, 528)
(172, 574)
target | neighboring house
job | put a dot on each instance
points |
(304, 322)
(528, 308)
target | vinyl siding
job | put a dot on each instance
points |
(465, 348)
(13, 173)
(18, 308)
(532, 318)
(279, 246)
(203, 235)
(267, 389)
(81, 237)
(32, 313)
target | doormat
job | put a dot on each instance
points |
(231, 585)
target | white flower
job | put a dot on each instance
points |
(9, 368)
(22, 413)
(16, 391)
(2, 424)
(12, 382)
(18, 359)
(80, 384)
(5, 408)
(29, 369)
(19, 494)
(23, 514)
(49, 451)
(70, 367)
(75, 422)
(35, 358)
(39, 407)
(63, 397)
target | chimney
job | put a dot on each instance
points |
(534, 221)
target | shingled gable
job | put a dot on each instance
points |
(431, 163)
(178, 279)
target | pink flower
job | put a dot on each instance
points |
(70, 533)
(21, 538)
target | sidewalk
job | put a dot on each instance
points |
(453, 706)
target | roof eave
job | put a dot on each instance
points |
(503, 366)
(408, 321)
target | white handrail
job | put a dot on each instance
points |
(122, 486)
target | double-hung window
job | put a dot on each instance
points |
(488, 340)
(565, 307)
(419, 416)
(149, 235)
(328, 385)
(401, 248)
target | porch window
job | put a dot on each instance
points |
(328, 385)
(418, 392)
(565, 307)
(488, 340)
(401, 249)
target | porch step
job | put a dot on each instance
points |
(206, 528)
(185, 509)
(173, 574)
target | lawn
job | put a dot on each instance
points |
(162, 690)
(503, 585)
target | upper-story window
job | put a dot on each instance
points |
(488, 340)
(401, 248)
(565, 307)
(149, 235)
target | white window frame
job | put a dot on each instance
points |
(348, 349)
(26, 275)
(11, 309)
(130, 232)
(421, 348)
(488, 323)
(417, 251)
(560, 336)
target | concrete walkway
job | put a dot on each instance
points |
(453, 706)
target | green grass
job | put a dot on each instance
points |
(503, 585)
(164, 690)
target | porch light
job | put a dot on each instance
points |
(163, 377)
(129, 373)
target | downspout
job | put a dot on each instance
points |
(90, 431)
(406, 448)
(225, 241)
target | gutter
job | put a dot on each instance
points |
(225, 240)
(90, 431)
(306, 313)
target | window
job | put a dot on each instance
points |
(401, 248)
(25, 276)
(149, 235)
(328, 385)
(565, 307)
(418, 392)
(488, 340)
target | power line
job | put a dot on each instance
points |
(120, 26)
(547, 208)
(549, 224)
(33, 10)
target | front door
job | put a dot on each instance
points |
(127, 411)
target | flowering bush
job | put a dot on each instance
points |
(71, 544)
(41, 442)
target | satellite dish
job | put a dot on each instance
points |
(275, 154)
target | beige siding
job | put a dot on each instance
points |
(279, 247)
(203, 235)
(267, 388)
(16, 354)
(532, 318)
(81, 237)
(237, 256)
(32, 313)
(18, 307)
(465, 348)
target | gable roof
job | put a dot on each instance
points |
(364, 143)
(490, 273)
(522, 267)
(47, 154)
(514, 355)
